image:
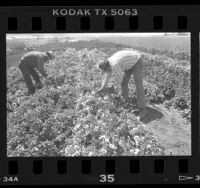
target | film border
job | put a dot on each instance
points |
(169, 15)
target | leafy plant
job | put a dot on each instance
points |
(67, 118)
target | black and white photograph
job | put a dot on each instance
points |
(98, 94)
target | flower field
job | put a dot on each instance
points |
(67, 118)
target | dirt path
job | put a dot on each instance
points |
(173, 131)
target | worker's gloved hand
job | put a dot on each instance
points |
(100, 91)
(38, 85)
(50, 78)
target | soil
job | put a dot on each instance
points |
(172, 130)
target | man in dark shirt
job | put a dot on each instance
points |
(27, 66)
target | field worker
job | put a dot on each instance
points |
(123, 64)
(27, 66)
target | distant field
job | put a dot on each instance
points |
(172, 46)
(16, 48)
(171, 43)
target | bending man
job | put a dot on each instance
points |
(31, 61)
(123, 64)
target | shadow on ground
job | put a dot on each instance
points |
(153, 114)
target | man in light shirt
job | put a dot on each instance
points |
(123, 64)
(31, 61)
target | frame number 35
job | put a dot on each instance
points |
(109, 178)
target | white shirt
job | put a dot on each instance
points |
(122, 61)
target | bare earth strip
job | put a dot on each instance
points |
(173, 131)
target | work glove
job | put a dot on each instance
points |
(100, 91)
(50, 78)
(38, 85)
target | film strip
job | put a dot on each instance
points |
(39, 152)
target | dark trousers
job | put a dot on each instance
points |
(27, 72)
(136, 71)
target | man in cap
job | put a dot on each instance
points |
(123, 64)
(31, 61)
